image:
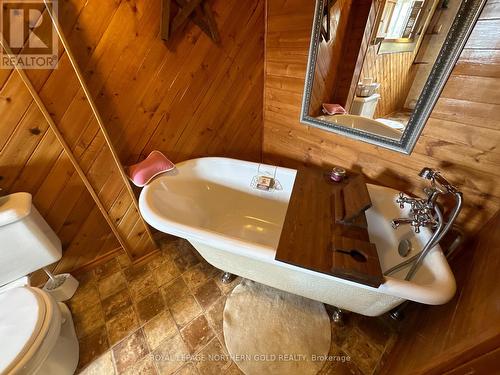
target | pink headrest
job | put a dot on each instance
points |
(333, 109)
(156, 163)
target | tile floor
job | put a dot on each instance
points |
(129, 318)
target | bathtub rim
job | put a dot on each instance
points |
(440, 291)
(211, 237)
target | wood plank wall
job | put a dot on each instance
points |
(71, 112)
(59, 93)
(462, 330)
(337, 59)
(461, 138)
(33, 160)
(329, 57)
(394, 73)
(189, 98)
(361, 20)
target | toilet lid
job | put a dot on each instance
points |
(22, 314)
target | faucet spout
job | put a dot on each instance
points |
(438, 182)
(426, 173)
(403, 220)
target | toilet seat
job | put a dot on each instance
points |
(30, 322)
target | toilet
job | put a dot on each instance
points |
(37, 335)
(364, 106)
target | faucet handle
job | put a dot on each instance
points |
(402, 199)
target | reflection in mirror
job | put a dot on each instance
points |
(376, 68)
(402, 22)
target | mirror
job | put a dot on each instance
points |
(377, 67)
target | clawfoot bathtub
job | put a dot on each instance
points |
(213, 204)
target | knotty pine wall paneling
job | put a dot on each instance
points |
(461, 138)
(394, 71)
(32, 160)
(122, 233)
(187, 98)
(137, 240)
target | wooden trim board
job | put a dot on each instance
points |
(97, 115)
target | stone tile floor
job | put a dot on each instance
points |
(130, 318)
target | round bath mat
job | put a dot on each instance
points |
(268, 331)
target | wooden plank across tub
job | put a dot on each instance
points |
(315, 237)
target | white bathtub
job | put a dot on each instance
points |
(236, 228)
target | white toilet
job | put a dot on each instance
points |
(364, 106)
(37, 335)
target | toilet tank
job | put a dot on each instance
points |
(27, 243)
(364, 106)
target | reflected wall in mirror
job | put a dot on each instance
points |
(377, 67)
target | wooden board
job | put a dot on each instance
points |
(356, 198)
(338, 208)
(310, 236)
(358, 221)
(351, 201)
(356, 260)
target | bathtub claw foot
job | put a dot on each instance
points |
(227, 277)
(398, 312)
(338, 316)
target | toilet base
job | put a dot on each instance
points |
(63, 359)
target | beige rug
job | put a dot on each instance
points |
(268, 331)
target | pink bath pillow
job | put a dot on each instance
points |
(333, 109)
(156, 163)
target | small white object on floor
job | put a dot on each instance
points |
(61, 287)
(268, 331)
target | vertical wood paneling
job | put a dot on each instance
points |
(103, 178)
(182, 98)
(329, 57)
(394, 73)
(461, 138)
